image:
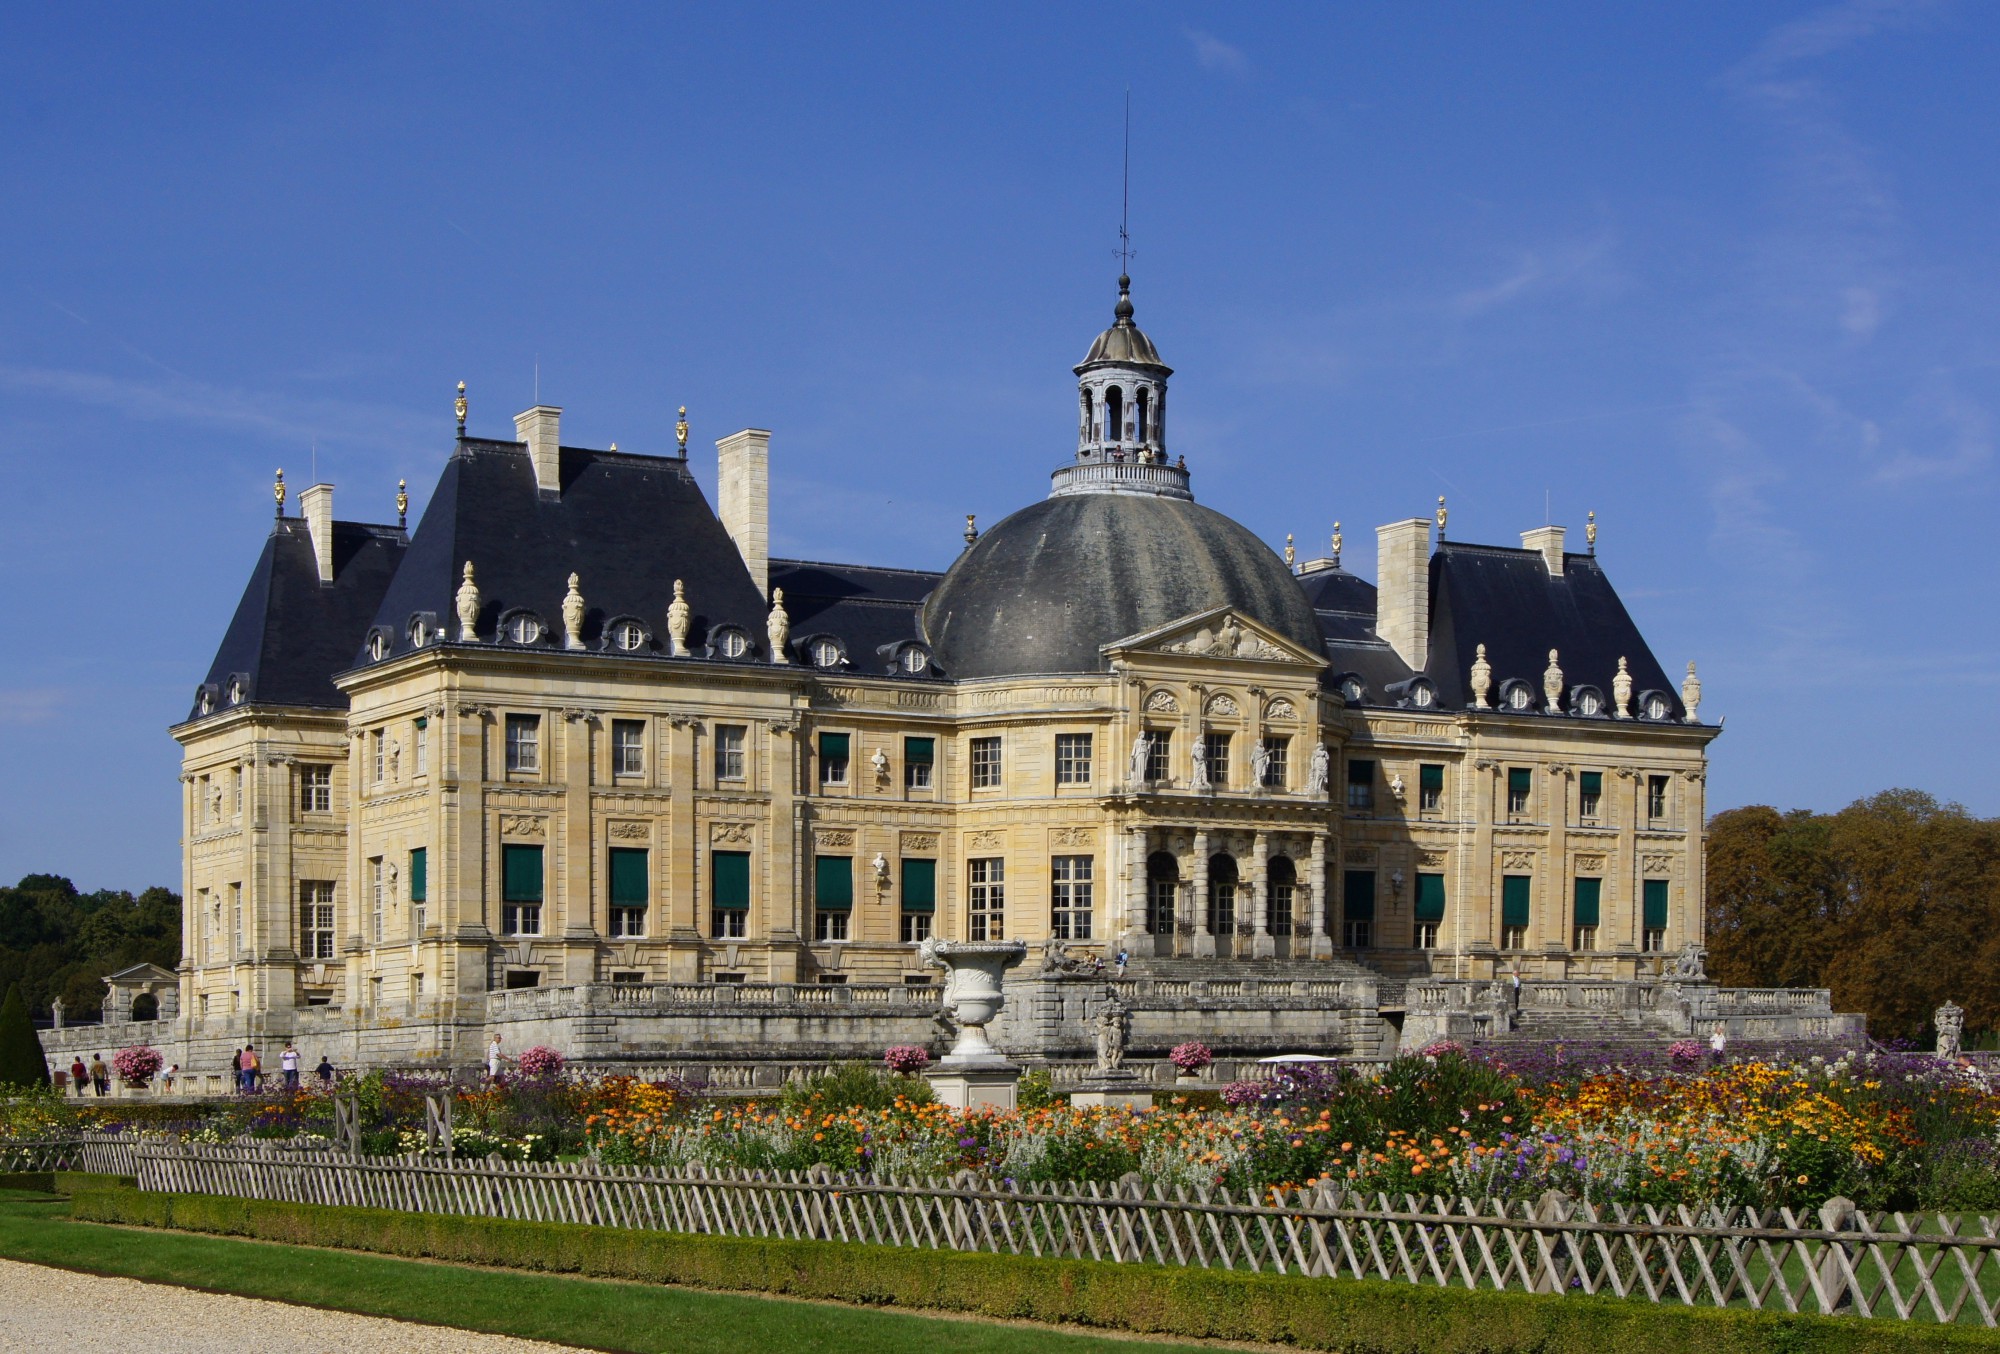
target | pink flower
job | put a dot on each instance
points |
(906, 1058)
(1190, 1057)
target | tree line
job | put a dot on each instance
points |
(1893, 902)
(57, 942)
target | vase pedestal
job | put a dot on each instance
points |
(976, 1083)
(1113, 1090)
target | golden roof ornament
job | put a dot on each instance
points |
(1590, 533)
(1291, 555)
(681, 432)
(1441, 516)
(1336, 545)
(971, 530)
(402, 503)
(458, 407)
(278, 492)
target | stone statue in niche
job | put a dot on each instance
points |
(572, 615)
(1142, 756)
(1950, 1021)
(1316, 774)
(1260, 763)
(1482, 679)
(468, 607)
(679, 615)
(1110, 1031)
(1198, 764)
(778, 628)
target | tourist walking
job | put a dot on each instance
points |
(79, 1075)
(324, 1071)
(167, 1078)
(100, 1075)
(289, 1061)
(494, 1059)
(251, 1067)
(1122, 960)
(1717, 1042)
(237, 1072)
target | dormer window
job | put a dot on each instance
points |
(378, 646)
(420, 634)
(1352, 691)
(825, 653)
(1587, 701)
(731, 643)
(628, 636)
(235, 690)
(204, 700)
(1654, 705)
(523, 627)
(915, 660)
(1517, 695)
(1422, 695)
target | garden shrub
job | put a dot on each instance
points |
(22, 1065)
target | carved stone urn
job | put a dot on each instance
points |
(974, 1074)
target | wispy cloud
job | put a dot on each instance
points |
(32, 705)
(1216, 55)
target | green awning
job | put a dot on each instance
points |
(1656, 904)
(1430, 779)
(1591, 784)
(420, 874)
(729, 879)
(628, 876)
(1588, 893)
(833, 746)
(1357, 895)
(1515, 893)
(920, 751)
(1520, 780)
(833, 883)
(920, 885)
(520, 874)
(1430, 897)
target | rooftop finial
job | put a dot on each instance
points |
(1590, 533)
(1441, 516)
(402, 503)
(1125, 204)
(458, 407)
(1336, 545)
(278, 492)
(1291, 555)
(681, 432)
(971, 530)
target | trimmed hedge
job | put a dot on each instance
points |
(40, 1182)
(1332, 1314)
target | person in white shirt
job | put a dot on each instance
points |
(289, 1060)
(493, 1058)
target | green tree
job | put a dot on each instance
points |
(21, 1060)
(56, 942)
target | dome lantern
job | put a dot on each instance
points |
(1121, 423)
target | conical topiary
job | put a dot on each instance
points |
(21, 1062)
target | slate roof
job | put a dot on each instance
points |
(627, 525)
(870, 610)
(1345, 606)
(291, 633)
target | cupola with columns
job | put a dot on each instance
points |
(1121, 414)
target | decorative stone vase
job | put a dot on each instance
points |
(974, 1074)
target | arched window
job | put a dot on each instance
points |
(1142, 413)
(1163, 888)
(1284, 894)
(1114, 413)
(1221, 895)
(1089, 414)
(145, 1006)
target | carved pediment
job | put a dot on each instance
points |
(1223, 634)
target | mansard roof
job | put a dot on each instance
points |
(870, 610)
(291, 632)
(1345, 605)
(626, 525)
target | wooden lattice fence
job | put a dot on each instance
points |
(98, 1153)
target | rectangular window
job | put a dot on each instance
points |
(1589, 794)
(1283, 896)
(986, 898)
(376, 893)
(236, 916)
(919, 899)
(520, 890)
(1216, 746)
(524, 743)
(628, 747)
(916, 927)
(1656, 797)
(833, 758)
(239, 791)
(833, 896)
(1277, 763)
(1158, 767)
(1162, 902)
(316, 789)
(1070, 897)
(1430, 910)
(729, 894)
(420, 888)
(1072, 759)
(630, 890)
(1516, 890)
(1360, 787)
(202, 807)
(1430, 788)
(1520, 790)
(730, 740)
(1357, 908)
(379, 743)
(1654, 914)
(421, 740)
(919, 754)
(316, 919)
(985, 763)
(1588, 893)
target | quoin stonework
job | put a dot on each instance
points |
(575, 761)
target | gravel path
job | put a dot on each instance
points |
(53, 1309)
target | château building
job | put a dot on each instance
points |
(575, 760)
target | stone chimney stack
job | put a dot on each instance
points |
(541, 428)
(316, 505)
(743, 464)
(1548, 543)
(1403, 589)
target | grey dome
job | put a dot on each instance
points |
(1043, 590)
(1124, 342)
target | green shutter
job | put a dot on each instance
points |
(1591, 784)
(833, 883)
(1520, 780)
(1515, 892)
(1361, 773)
(521, 874)
(920, 885)
(729, 879)
(1588, 892)
(919, 751)
(628, 876)
(1656, 904)
(420, 875)
(1430, 897)
(833, 747)
(1357, 895)
(1430, 778)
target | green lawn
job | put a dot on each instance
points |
(614, 1316)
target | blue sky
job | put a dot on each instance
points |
(1723, 273)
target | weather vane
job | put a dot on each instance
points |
(1125, 251)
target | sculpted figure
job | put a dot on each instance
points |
(1111, 1036)
(1260, 763)
(1950, 1021)
(1198, 758)
(1316, 775)
(1142, 756)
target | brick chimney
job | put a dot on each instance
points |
(1548, 543)
(743, 483)
(316, 506)
(1403, 589)
(541, 428)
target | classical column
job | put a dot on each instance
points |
(1204, 941)
(1261, 946)
(1135, 939)
(1322, 943)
